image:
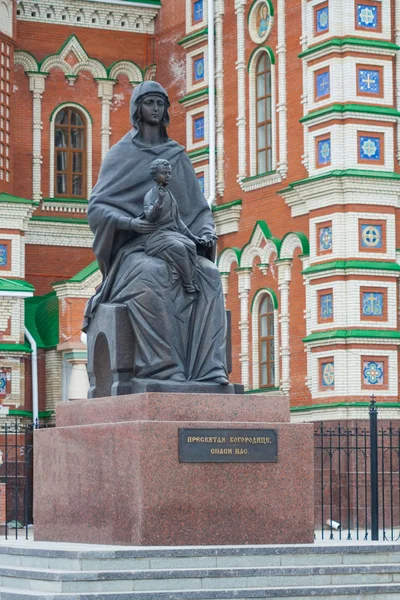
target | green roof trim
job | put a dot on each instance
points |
(343, 173)
(259, 176)
(44, 414)
(305, 245)
(193, 36)
(42, 319)
(82, 275)
(15, 285)
(263, 390)
(60, 220)
(351, 264)
(352, 333)
(197, 153)
(194, 96)
(16, 199)
(226, 206)
(358, 108)
(349, 41)
(267, 49)
(296, 409)
(267, 291)
(66, 200)
(15, 348)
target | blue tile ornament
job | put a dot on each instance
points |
(3, 255)
(370, 147)
(325, 239)
(199, 69)
(322, 84)
(369, 81)
(373, 372)
(371, 236)
(199, 128)
(372, 304)
(198, 11)
(322, 19)
(328, 374)
(326, 306)
(201, 183)
(367, 16)
(324, 152)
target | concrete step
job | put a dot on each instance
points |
(53, 581)
(342, 592)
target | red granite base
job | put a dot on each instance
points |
(109, 474)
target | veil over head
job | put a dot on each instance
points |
(144, 89)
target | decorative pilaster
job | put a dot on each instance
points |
(397, 75)
(219, 83)
(78, 383)
(284, 276)
(225, 285)
(241, 71)
(244, 276)
(105, 92)
(282, 103)
(36, 86)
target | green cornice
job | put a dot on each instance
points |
(194, 96)
(269, 51)
(351, 264)
(193, 36)
(15, 285)
(305, 245)
(352, 333)
(65, 200)
(343, 173)
(44, 414)
(254, 177)
(81, 276)
(196, 153)
(218, 207)
(67, 221)
(8, 198)
(349, 41)
(357, 108)
(328, 405)
(15, 348)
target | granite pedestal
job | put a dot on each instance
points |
(109, 473)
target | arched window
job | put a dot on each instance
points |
(266, 342)
(70, 154)
(263, 114)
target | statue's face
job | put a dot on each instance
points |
(164, 175)
(153, 109)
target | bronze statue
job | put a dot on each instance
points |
(178, 323)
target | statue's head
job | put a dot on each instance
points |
(160, 170)
(148, 89)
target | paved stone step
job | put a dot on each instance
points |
(42, 556)
(342, 592)
(194, 579)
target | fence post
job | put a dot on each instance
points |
(373, 436)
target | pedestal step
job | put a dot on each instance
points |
(355, 572)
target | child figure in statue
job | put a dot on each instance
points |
(172, 241)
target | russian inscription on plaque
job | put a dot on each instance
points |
(228, 445)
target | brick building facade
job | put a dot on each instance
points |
(306, 177)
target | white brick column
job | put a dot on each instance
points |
(244, 276)
(241, 75)
(36, 86)
(105, 92)
(219, 85)
(282, 99)
(225, 285)
(397, 74)
(284, 275)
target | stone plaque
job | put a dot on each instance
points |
(228, 445)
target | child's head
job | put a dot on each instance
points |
(160, 170)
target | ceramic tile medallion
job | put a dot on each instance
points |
(373, 372)
(197, 11)
(325, 239)
(328, 374)
(367, 16)
(372, 304)
(260, 20)
(371, 236)
(3, 255)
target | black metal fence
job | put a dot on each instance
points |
(357, 481)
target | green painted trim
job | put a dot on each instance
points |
(352, 333)
(30, 54)
(126, 61)
(8, 198)
(226, 206)
(270, 53)
(45, 414)
(358, 108)
(75, 354)
(351, 264)
(271, 9)
(15, 285)
(66, 200)
(312, 407)
(262, 390)
(15, 348)
(267, 291)
(82, 275)
(350, 41)
(193, 36)
(60, 220)
(197, 153)
(42, 319)
(305, 246)
(345, 173)
(253, 177)
(234, 250)
(84, 109)
(193, 96)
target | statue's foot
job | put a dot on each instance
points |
(221, 380)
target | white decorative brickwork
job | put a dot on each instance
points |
(227, 221)
(10, 360)
(6, 17)
(51, 233)
(36, 86)
(241, 79)
(260, 295)
(219, 88)
(284, 277)
(192, 26)
(244, 278)
(53, 378)
(190, 143)
(282, 91)
(121, 16)
(192, 86)
(17, 253)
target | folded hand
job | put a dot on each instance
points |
(141, 226)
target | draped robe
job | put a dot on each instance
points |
(177, 336)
